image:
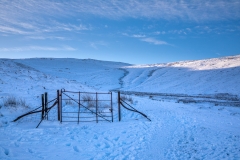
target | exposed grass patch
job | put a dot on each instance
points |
(89, 100)
(69, 102)
(12, 101)
(104, 108)
(127, 98)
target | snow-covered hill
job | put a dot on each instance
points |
(24, 81)
(209, 76)
(177, 130)
(101, 75)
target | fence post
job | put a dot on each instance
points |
(60, 105)
(111, 107)
(58, 99)
(43, 106)
(79, 96)
(119, 107)
(46, 105)
(96, 108)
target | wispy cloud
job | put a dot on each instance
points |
(179, 31)
(68, 27)
(36, 17)
(52, 27)
(12, 30)
(200, 29)
(138, 36)
(98, 43)
(154, 41)
(37, 48)
(165, 9)
(144, 38)
(47, 37)
(28, 17)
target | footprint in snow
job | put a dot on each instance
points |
(95, 137)
(107, 145)
(6, 151)
(30, 151)
(97, 145)
(75, 148)
(19, 139)
(68, 144)
(116, 139)
(16, 144)
(191, 139)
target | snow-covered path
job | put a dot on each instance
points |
(194, 132)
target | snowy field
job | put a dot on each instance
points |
(194, 107)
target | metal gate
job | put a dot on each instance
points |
(84, 106)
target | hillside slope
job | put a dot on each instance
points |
(23, 81)
(211, 76)
(101, 75)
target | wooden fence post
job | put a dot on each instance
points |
(119, 107)
(58, 99)
(43, 106)
(79, 105)
(60, 105)
(46, 105)
(111, 107)
(96, 108)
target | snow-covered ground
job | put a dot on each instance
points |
(199, 130)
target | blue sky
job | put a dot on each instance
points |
(132, 31)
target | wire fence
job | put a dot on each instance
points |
(40, 113)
